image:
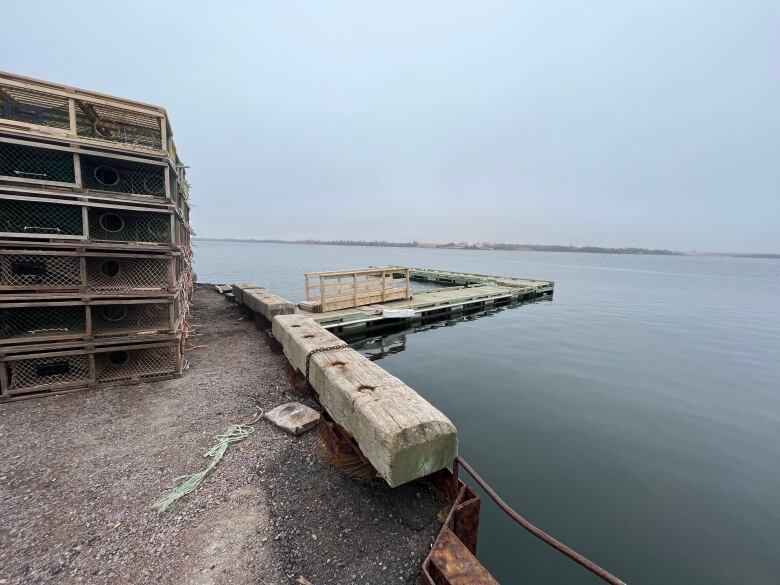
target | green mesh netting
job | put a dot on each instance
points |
(122, 177)
(41, 321)
(28, 162)
(129, 226)
(31, 217)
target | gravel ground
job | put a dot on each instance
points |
(79, 472)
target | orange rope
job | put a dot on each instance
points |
(202, 346)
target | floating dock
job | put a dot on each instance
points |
(461, 292)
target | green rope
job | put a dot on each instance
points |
(190, 483)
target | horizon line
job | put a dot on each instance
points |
(500, 246)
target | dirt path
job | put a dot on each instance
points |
(79, 472)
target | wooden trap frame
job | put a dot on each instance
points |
(37, 269)
(72, 367)
(49, 110)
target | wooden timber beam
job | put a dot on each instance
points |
(402, 434)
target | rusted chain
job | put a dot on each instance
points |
(603, 574)
(320, 350)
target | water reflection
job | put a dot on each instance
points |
(393, 339)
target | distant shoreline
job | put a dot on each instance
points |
(492, 246)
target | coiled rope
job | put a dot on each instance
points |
(189, 483)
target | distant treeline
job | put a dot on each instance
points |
(345, 243)
(590, 249)
(461, 246)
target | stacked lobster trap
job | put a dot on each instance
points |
(95, 255)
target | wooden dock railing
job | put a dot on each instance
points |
(331, 291)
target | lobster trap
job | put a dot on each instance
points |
(88, 366)
(89, 273)
(51, 110)
(94, 240)
(117, 176)
(34, 218)
(29, 217)
(111, 124)
(21, 324)
(130, 226)
(36, 164)
(35, 107)
(24, 163)
(34, 322)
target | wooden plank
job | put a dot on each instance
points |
(91, 96)
(397, 269)
(48, 393)
(31, 248)
(362, 285)
(109, 297)
(36, 129)
(80, 150)
(358, 299)
(38, 236)
(72, 115)
(69, 348)
(140, 201)
(465, 278)
(3, 379)
(402, 435)
(163, 209)
(164, 133)
(77, 170)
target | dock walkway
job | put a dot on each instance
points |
(462, 292)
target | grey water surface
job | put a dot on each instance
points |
(636, 417)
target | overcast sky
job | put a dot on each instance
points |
(644, 123)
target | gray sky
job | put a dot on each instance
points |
(645, 123)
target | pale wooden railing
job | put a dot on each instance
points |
(331, 291)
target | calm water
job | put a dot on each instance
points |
(636, 417)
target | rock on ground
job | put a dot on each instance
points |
(79, 473)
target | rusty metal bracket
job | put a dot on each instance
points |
(340, 450)
(460, 529)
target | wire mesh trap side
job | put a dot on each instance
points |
(34, 218)
(105, 174)
(35, 374)
(129, 275)
(34, 107)
(39, 164)
(33, 271)
(118, 125)
(22, 324)
(121, 225)
(126, 365)
(124, 319)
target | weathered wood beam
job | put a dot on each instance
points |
(240, 287)
(402, 434)
(267, 304)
